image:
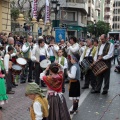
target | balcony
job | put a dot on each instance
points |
(107, 5)
(107, 13)
(80, 5)
(90, 19)
(107, 20)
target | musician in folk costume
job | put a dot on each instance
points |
(8, 69)
(74, 82)
(105, 53)
(26, 49)
(72, 47)
(39, 53)
(13, 55)
(88, 55)
(53, 49)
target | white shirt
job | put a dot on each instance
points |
(86, 55)
(81, 50)
(53, 49)
(6, 62)
(13, 54)
(72, 73)
(25, 48)
(73, 49)
(38, 111)
(65, 62)
(43, 51)
(110, 52)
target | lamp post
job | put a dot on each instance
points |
(95, 26)
(56, 7)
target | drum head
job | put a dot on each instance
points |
(16, 67)
(45, 63)
(21, 61)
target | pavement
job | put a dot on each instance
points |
(91, 106)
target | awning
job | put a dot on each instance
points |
(72, 27)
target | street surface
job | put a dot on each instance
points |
(91, 106)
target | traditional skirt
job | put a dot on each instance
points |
(58, 108)
(74, 89)
(3, 95)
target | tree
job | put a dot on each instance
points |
(101, 28)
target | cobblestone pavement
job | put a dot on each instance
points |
(91, 109)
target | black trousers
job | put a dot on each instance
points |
(90, 79)
(38, 70)
(8, 78)
(30, 66)
(105, 76)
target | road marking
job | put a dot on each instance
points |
(81, 100)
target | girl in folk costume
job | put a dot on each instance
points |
(74, 88)
(58, 108)
(39, 107)
(3, 95)
(60, 59)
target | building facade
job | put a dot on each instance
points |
(108, 12)
(116, 16)
(5, 17)
(74, 15)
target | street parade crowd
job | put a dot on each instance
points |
(44, 63)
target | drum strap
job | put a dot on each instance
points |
(89, 52)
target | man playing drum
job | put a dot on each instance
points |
(104, 53)
(88, 54)
(39, 53)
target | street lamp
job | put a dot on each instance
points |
(95, 26)
(56, 7)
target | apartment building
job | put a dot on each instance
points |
(108, 12)
(116, 15)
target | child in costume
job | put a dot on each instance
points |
(3, 95)
(74, 82)
(58, 108)
(39, 107)
(60, 59)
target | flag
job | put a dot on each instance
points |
(34, 9)
(47, 11)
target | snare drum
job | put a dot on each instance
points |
(85, 65)
(45, 63)
(16, 69)
(99, 67)
(21, 61)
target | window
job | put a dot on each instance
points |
(71, 16)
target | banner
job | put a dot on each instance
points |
(47, 11)
(34, 9)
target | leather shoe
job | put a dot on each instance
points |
(93, 92)
(30, 81)
(85, 87)
(0, 108)
(11, 92)
(104, 92)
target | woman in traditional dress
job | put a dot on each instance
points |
(3, 95)
(58, 108)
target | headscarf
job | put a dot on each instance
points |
(33, 88)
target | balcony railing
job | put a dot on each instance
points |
(76, 1)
